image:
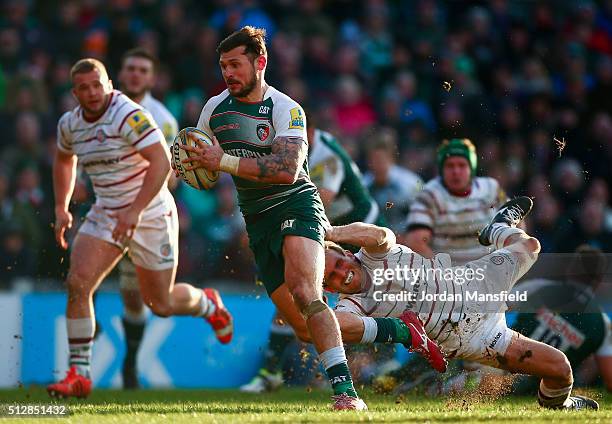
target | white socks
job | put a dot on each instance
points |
(369, 331)
(135, 318)
(553, 398)
(80, 342)
(333, 356)
(501, 232)
(206, 307)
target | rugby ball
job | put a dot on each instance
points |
(200, 178)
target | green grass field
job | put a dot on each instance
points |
(296, 405)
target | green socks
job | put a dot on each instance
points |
(392, 330)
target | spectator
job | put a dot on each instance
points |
(516, 75)
(589, 228)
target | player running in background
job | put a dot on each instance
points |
(473, 329)
(262, 143)
(123, 151)
(346, 200)
(137, 77)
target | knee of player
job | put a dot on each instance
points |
(532, 245)
(77, 284)
(303, 296)
(161, 310)
(303, 335)
(563, 367)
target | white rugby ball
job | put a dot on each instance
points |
(199, 178)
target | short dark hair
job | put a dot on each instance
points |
(86, 65)
(141, 53)
(384, 139)
(253, 39)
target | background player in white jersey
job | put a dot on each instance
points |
(451, 209)
(137, 77)
(464, 328)
(124, 153)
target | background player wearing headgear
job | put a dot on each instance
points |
(451, 209)
(137, 77)
(346, 200)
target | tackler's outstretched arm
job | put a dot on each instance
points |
(372, 238)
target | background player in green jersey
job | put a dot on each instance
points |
(567, 315)
(260, 139)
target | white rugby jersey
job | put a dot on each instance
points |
(162, 116)
(455, 221)
(107, 150)
(441, 318)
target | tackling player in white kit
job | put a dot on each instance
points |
(469, 329)
(123, 152)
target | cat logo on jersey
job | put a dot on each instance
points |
(263, 131)
(297, 118)
(139, 122)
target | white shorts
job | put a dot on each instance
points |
(483, 335)
(154, 245)
(483, 338)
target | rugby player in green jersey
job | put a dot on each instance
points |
(260, 138)
(346, 200)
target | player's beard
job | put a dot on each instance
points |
(100, 110)
(247, 88)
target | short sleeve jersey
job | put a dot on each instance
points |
(108, 150)
(162, 116)
(331, 168)
(247, 130)
(455, 221)
(578, 335)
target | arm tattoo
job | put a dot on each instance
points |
(288, 154)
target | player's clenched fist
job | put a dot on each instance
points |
(63, 221)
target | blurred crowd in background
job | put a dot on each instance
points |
(529, 82)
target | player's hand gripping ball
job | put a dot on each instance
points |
(199, 178)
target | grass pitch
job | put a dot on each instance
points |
(295, 405)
